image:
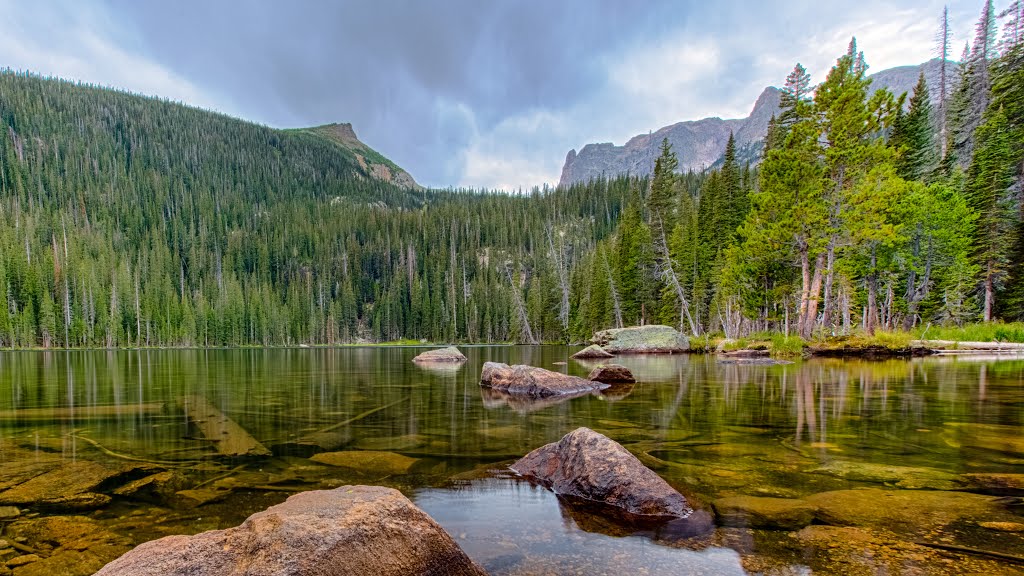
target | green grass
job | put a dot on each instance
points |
(860, 340)
(786, 347)
(982, 332)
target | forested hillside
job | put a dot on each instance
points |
(133, 221)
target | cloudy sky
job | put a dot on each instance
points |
(481, 93)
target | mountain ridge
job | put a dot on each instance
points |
(699, 144)
(373, 164)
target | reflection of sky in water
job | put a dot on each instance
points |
(511, 527)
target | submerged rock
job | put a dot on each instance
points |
(73, 545)
(591, 468)
(904, 511)
(592, 352)
(449, 354)
(762, 512)
(612, 374)
(995, 483)
(194, 498)
(70, 486)
(901, 476)
(352, 530)
(532, 381)
(652, 339)
(370, 462)
(159, 487)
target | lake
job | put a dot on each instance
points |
(903, 464)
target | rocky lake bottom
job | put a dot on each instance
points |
(822, 466)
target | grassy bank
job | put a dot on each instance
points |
(881, 343)
(982, 332)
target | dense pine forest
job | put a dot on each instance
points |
(129, 221)
(132, 221)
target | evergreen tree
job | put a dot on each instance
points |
(796, 94)
(913, 135)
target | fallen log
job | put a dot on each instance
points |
(229, 438)
(944, 345)
(85, 412)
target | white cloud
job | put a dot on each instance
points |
(75, 42)
(684, 76)
(708, 62)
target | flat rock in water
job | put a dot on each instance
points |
(915, 512)
(9, 512)
(995, 483)
(14, 472)
(194, 498)
(449, 354)
(591, 467)
(533, 382)
(986, 437)
(908, 477)
(612, 374)
(159, 487)
(80, 546)
(652, 339)
(70, 486)
(592, 352)
(352, 530)
(370, 462)
(763, 512)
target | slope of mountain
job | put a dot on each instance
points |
(135, 221)
(371, 163)
(699, 144)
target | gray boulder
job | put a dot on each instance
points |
(589, 468)
(534, 382)
(612, 374)
(449, 354)
(352, 530)
(592, 352)
(653, 339)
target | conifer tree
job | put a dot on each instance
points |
(913, 134)
(795, 95)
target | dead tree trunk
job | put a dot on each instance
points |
(617, 306)
(669, 273)
(524, 318)
(563, 279)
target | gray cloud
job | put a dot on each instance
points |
(486, 93)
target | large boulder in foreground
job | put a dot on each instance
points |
(653, 339)
(534, 382)
(592, 352)
(352, 530)
(589, 468)
(449, 354)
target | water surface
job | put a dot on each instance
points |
(712, 430)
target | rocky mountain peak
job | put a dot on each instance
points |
(700, 144)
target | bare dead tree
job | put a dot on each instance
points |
(524, 318)
(667, 272)
(558, 256)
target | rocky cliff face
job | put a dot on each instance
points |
(372, 164)
(699, 144)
